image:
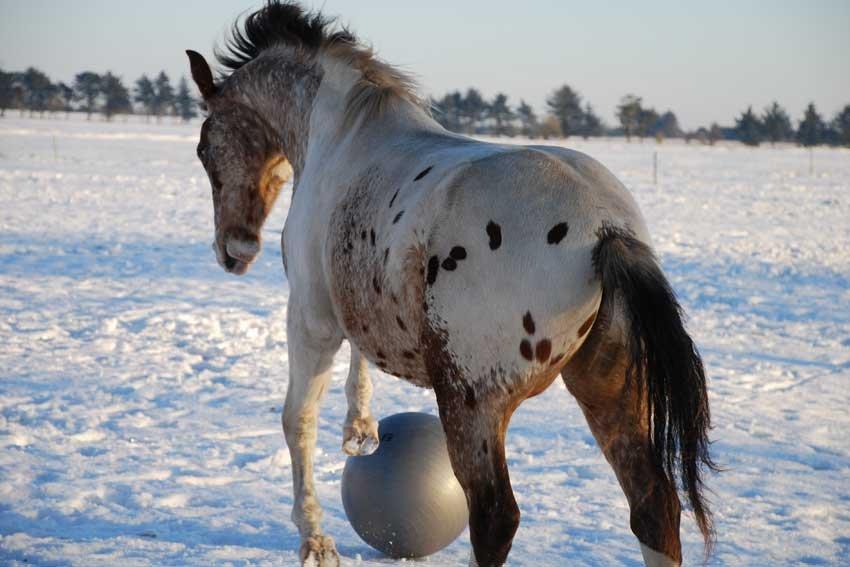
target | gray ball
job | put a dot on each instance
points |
(404, 499)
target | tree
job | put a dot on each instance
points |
(748, 128)
(67, 94)
(812, 129)
(39, 90)
(841, 125)
(628, 112)
(164, 97)
(87, 89)
(775, 124)
(667, 125)
(647, 118)
(185, 102)
(145, 94)
(473, 110)
(502, 115)
(7, 91)
(551, 127)
(565, 105)
(116, 96)
(591, 124)
(528, 120)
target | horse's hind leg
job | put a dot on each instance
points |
(596, 376)
(360, 432)
(475, 434)
(311, 352)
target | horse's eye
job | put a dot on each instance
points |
(202, 152)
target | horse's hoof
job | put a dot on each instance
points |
(360, 437)
(319, 551)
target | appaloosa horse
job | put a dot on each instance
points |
(480, 270)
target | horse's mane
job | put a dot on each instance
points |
(287, 23)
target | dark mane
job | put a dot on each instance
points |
(285, 23)
(278, 23)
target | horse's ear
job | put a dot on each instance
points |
(201, 73)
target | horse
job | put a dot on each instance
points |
(479, 270)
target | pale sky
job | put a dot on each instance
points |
(707, 61)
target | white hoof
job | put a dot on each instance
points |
(319, 551)
(360, 437)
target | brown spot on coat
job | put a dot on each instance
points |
(525, 350)
(398, 217)
(543, 350)
(372, 236)
(494, 231)
(423, 173)
(394, 196)
(433, 268)
(449, 264)
(528, 323)
(458, 253)
(401, 324)
(557, 233)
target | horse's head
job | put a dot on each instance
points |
(242, 157)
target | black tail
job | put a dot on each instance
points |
(664, 362)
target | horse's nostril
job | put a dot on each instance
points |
(229, 262)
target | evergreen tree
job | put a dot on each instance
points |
(776, 124)
(7, 92)
(474, 109)
(502, 115)
(812, 129)
(39, 90)
(667, 125)
(67, 94)
(87, 89)
(116, 97)
(185, 102)
(629, 112)
(591, 124)
(565, 105)
(528, 120)
(841, 125)
(647, 120)
(551, 127)
(145, 94)
(748, 128)
(164, 98)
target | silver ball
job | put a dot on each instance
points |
(404, 499)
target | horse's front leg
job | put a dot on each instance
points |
(360, 433)
(311, 349)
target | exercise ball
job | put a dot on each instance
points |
(404, 499)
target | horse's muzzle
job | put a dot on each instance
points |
(237, 255)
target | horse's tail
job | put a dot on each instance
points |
(663, 362)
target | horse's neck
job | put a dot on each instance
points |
(333, 132)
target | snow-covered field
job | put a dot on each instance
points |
(141, 386)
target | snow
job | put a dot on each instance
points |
(141, 386)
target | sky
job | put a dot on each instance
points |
(706, 61)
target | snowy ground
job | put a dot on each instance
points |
(141, 387)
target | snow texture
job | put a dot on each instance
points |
(141, 386)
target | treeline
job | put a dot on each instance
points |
(567, 114)
(32, 91)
